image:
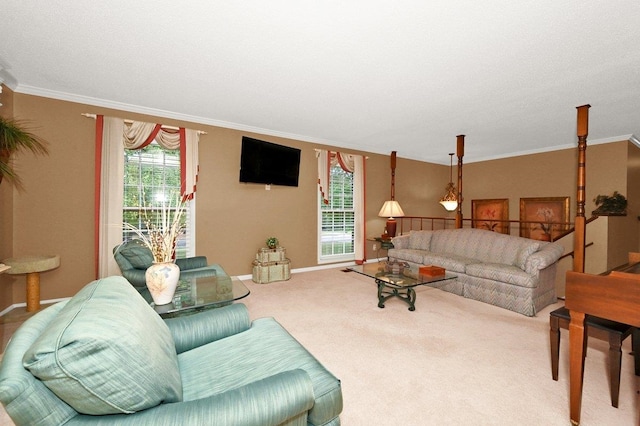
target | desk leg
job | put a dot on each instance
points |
(576, 364)
(554, 338)
(33, 291)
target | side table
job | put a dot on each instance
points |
(384, 244)
(32, 266)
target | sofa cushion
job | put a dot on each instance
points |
(407, 255)
(450, 262)
(502, 273)
(242, 359)
(107, 352)
(420, 240)
(482, 245)
(137, 254)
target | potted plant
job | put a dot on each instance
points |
(14, 138)
(272, 242)
(613, 205)
(163, 226)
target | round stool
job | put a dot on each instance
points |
(32, 266)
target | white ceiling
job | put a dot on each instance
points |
(369, 75)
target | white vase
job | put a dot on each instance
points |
(162, 280)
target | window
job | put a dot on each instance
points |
(152, 178)
(337, 218)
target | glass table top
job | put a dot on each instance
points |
(405, 279)
(208, 291)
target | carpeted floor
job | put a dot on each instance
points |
(453, 361)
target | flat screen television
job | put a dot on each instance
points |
(269, 163)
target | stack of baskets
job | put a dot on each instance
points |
(271, 265)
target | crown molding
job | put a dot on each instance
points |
(64, 96)
(37, 91)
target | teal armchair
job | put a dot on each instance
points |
(106, 357)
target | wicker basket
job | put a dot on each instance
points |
(265, 255)
(266, 272)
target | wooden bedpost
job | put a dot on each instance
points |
(580, 223)
(460, 154)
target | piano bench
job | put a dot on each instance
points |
(602, 329)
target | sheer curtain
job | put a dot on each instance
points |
(354, 164)
(113, 136)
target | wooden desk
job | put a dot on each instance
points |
(616, 297)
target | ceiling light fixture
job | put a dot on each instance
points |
(450, 199)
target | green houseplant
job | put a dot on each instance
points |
(610, 205)
(14, 138)
(272, 242)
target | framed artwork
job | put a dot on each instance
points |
(487, 214)
(539, 217)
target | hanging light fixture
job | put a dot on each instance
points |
(450, 199)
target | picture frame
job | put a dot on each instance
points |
(488, 214)
(539, 217)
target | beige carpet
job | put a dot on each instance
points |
(453, 361)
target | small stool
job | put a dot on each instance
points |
(611, 331)
(32, 266)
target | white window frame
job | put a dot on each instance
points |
(334, 258)
(190, 231)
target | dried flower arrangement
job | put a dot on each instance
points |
(163, 226)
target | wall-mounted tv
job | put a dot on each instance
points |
(269, 163)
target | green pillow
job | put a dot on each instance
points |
(137, 254)
(107, 352)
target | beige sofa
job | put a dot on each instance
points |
(507, 271)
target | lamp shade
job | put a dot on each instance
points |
(450, 205)
(391, 209)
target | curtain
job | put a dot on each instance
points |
(354, 164)
(113, 136)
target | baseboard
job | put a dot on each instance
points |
(42, 302)
(240, 277)
(308, 269)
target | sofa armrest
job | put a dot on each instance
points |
(192, 331)
(547, 255)
(400, 242)
(270, 401)
(192, 263)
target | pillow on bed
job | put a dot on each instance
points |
(107, 352)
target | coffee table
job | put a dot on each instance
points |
(399, 285)
(203, 292)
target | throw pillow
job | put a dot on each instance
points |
(107, 352)
(420, 240)
(137, 254)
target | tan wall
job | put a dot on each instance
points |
(554, 174)
(55, 213)
(633, 189)
(549, 174)
(6, 212)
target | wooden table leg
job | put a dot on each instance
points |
(33, 291)
(615, 364)
(554, 337)
(577, 341)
